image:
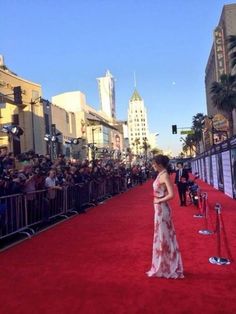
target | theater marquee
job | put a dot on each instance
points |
(219, 52)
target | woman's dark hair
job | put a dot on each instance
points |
(162, 160)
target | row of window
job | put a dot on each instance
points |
(135, 111)
(137, 126)
(137, 134)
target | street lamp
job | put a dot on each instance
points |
(13, 130)
(92, 145)
(51, 140)
(73, 141)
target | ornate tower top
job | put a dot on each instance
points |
(136, 96)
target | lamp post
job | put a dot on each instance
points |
(73, 141)
(93, 143)
(52, 139)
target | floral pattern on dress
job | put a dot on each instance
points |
(166, 257)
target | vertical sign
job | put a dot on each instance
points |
(208, 169)
(228, 187)
(219, 52)
(214, 172)
(233, 169)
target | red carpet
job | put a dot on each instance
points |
(96, 263)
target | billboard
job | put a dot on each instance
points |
(227, 177)
(233, 169)
(219, 52)
(214, 172)
(219, 169)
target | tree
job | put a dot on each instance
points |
(232, 47)
(197, 126)
(136, 144)
(223, 94)
(190, 144)
(156, 151)
(145, 146)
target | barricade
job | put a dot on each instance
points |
(72, 195)
(109, 186)
(205, 211)
(220, 230)
(13, 215)
(22, 213)
(37, 207)
(85, 194)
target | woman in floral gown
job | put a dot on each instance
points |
(166, 257)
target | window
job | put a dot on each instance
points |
(67, 117)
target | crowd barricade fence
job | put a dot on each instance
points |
(23, 212)
(13, 215)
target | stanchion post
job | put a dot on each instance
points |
(218, 260)
(200, 214)
(205, 231)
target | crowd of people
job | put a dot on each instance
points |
(30, 172)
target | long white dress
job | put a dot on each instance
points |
(166, 257)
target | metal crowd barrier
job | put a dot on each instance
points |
(13, 214)
(22, 212)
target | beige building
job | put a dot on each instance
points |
(30, 115)
(219, 61)
(94, 127)
(70, 140)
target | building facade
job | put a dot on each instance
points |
(219, 60)
(137, 123)
(95, 128)
(106, 88)
(30, 115)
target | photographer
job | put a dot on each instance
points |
(52, 185)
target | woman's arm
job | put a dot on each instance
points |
(169, 187)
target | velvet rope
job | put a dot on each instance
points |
(221, 229)
(208, 214)
(200, 202)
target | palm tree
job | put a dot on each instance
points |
(136, 143)
(189, 144)
(232, 51)
(197, 128)
(224, 96)
(156, 151)
(145, 146)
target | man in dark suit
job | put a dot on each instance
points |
(181, 179)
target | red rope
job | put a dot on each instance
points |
(225, 239)
(218, 234)
(210, 212)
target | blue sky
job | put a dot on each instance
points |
(65, 45)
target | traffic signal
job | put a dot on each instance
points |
(174, 129)
(17, 95)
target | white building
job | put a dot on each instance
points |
(137, 123)
(106, 87)
(94, 127)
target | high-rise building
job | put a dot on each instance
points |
(106, 87)
(137, 123)
(219, 60)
